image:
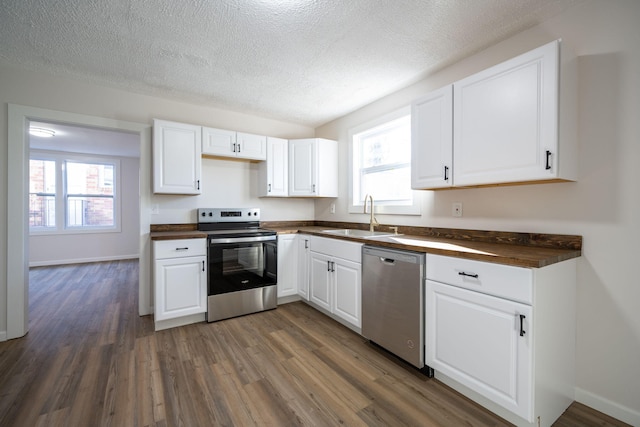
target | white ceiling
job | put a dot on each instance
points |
(86, 140)
(303, 61)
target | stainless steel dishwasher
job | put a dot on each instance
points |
(393, 302)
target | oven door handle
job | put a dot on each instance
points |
(243, 239)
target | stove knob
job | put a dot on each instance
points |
(210, 213)
(204, 214)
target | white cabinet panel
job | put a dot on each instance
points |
(335, 283)
(273, 174)
(218, 142)
(303, 266)
(320, 280)
(432, 140)
(181, 287)
(313, 168)
(287, 265)
(347, 289)
(250, 146)
(176, 158)
(227, 143)
(476, 339)
(506, 121)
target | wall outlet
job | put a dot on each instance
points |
(155, 209)
(332, 209)
(456, 209)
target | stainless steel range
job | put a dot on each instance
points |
(243, 262)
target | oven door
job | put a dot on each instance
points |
(241, 264)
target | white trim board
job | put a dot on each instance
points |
(608, 407)
(83, 260)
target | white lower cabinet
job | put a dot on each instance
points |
(502, 335)
(476, 341)
(180, 281)
(303, 266)
(287, 265)
(335, 279)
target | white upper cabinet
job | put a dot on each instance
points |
(506, 122)
(176, 158)
(512, 123)
(313, 168)
(227, 143)
(273, 175)
(432, 140)
(250, 146)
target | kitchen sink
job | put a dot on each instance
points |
(354, 232)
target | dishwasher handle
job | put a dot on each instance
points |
(389, 261)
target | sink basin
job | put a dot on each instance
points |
(353, 232)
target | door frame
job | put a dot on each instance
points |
(19, 117)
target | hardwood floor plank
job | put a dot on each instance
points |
(90, 360)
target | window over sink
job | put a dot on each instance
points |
(380, 165)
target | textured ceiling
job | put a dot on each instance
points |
(303, 61)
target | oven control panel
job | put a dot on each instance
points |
(228, 215)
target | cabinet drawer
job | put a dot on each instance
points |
(179, 248)
(336, 248)
(504, 281)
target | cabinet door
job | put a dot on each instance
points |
(432, 140)
(277, 168)
(303, 267)
(320, 280)
(176, 157)
(326, 168)
(506, 121)
(218, 142)
(287, 265)
(250, 146)
(181, 287)
(483, 342)
(347, 293)
(302, 167)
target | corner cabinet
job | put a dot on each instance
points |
(227, 143)
(335, 279)
(180, 282)
(503, 336)
(313, 168)
(177, 151)
(273, 174)
(513, 123)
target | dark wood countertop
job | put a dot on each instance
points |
(501, 253)
(516, 249)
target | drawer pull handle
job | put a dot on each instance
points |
(462, 273)
(202, 265)
(522, 332)
(182, 249)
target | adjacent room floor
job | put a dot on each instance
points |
(89, 359)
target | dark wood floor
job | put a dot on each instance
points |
(90, 360)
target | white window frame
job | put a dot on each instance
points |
(61, 197)
(380, 208)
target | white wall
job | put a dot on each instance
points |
(603, 206)
(88, 247)
(234, 181)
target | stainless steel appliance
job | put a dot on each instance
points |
(393, 302)
(242, 260)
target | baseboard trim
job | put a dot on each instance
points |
(82, 260)
(608, 407)
(3, 336)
